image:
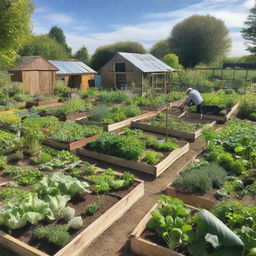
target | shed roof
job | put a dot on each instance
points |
(33, 63)
(71, 67)
(147, 63)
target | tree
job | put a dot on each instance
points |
(104, 53)
(200, 39)
(82, 54)
(15, 28)
(249, 33)
(172, 60)
(58, 34)
(44, 46)
(160, 49)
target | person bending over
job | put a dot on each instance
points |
(194, 98)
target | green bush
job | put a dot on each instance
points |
(247, 106)
(201, 178)
(114, 96)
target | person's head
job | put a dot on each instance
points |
(189, 90)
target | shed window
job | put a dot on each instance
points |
(120, 67)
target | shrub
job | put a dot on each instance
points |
(247, 106)
(201, 178)
(114, 96)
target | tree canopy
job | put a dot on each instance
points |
(82, 54)
(46, 47)
(160, 48)
(104, 53)
(15, 28)
(58, 34)
(200, 39)
(172, 60)
(249, 33)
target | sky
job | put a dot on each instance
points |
(94, 23)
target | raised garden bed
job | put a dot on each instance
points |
(114, 205)
(68, 117)
(166, 160)
(145, 241)
(147, 124)
(69, 145)
(121, 124)
(156, 108)
(37, 103)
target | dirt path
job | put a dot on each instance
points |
(115, 241)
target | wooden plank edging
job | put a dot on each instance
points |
(86, 237)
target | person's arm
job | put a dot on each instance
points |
(186, 102)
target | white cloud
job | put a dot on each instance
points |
(156, 26)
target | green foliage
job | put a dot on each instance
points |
(152, 157)
(200, 39)
(92, 208)
(160, 49)
(15, 26)
(23, 176)
(114, 96)
(44, 46)
(59, 183)
(85, 169)
(172, 60)
(55, 234)
(57, 34)
(82, 55)
(247, 106)
(48, 122)
(108, 181)
(71, 131)
(248, 33)
(9, 142)
(104, 53)
(201, 178)
(113, 114)
(61, 90)
(118, 145)
(43, 158)
(12, 195)
(174, 123)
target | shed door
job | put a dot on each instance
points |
(46, 82)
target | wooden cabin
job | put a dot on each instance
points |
(75, 74)
(129, 69)
(36, 74)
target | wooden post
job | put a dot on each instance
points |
(142, 84)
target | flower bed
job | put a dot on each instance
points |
(226, 170)
(140, 151)
(176, 127)
(38, 102)
(174, 229)
(54, 203)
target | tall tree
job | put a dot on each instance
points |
(160, 48)
(104, 53)
(249, 33)
(200, 39)
(15, 28)
(82, 54)
(58, 34)
(45, 46)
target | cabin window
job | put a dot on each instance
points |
(120, 67)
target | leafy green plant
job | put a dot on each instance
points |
(114, 96)
(152, 157)
(85, 169)
(247, 106)
(55, 234)
(92, 208)
(12, 195)
(9, 142)
(42, 158)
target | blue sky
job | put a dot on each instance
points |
(99, 22)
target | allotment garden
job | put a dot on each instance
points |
(71, 165)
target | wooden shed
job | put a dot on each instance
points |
(128, 69)
(36, 73)
(75, 74)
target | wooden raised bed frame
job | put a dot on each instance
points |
(122, 124)
(154, 170)
(152, 108)
(86, 237)
(171, 132)
(69, 145)
(220, 119)
(192, 199)
(144, 247)
(30, 104)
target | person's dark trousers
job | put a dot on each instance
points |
(199, 108)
